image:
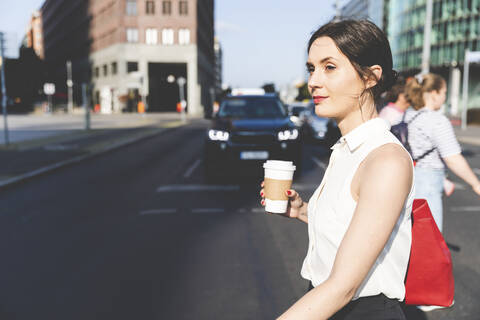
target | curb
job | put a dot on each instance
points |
(50, 168)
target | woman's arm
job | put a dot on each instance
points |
(385, 179)
(303, 212)
(460, 167)
(297, 208)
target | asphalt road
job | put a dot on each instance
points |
(138, 233)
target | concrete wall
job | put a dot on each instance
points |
(144, 54)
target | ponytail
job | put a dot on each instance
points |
(420, 84)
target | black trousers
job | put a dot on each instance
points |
(377, 307)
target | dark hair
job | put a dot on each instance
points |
(422, 83)
(397, 89)
(365, 45)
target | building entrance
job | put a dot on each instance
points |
(163, 89)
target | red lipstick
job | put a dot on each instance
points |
(319, 99)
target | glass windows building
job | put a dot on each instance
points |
(455, 27)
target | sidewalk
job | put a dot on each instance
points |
(41, 144)
(469, 136)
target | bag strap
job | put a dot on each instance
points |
(413, 118)
(424, 155)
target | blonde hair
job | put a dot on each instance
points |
(420, 84)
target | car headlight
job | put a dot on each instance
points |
(218, 135)
(288, 135)
(320, 127)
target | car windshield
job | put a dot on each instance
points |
(252, 108)
(297, 110)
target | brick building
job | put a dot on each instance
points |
(137, 50)
(35, 34)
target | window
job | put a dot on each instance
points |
(183, 8)
(150, 7)
(132, 35)
(167, 36)
(184, 36)
(97, 72)
(131, 7)
(151, 36)
(132, 66)
(114, 68)
(167, 7)
(105, 70)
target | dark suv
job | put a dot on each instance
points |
(248, 130)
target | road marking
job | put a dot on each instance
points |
(208, 210)
(476, 170)
(258, 210)
(304, 187)
(158, 211)
(459, 186)
(319, 163)
(190, 170)
(196, 187)
(60, 147)
(465, 209)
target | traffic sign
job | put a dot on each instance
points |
(49, 88)
(473, 56)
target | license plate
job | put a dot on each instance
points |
(254, 155)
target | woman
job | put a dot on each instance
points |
(358, 219)
(430, 135)
(397, 104)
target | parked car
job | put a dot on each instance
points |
(297, 112)
(248, 130)
(319, 129)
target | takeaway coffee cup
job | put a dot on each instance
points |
(278, 179)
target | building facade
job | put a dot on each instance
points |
(138, 49)
(34, 34)
(218, 67)
(66, 26)
(455, 27)
(372, 10)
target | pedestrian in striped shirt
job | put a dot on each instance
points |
(431, 137)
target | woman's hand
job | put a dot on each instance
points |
(296, 207)
(476, 189)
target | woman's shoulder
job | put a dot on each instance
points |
(390, 155)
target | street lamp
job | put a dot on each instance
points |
(427, 30)
(181, 83)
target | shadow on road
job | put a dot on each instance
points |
(413, 313)
(454, 247)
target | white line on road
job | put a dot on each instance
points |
(465, 209)
(304, 187)
(459, 186)
(196, 187)
(258, 210)
(208, 210)
(158, 211)
(190, 170)
(319, 163)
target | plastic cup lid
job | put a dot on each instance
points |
(279, 165)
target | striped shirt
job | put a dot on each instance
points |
(431, 129)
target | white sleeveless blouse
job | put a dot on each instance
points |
(331, 209)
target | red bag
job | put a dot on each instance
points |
(429, 278)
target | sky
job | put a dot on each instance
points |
(265, 40)
(14, 18)
(262, 40)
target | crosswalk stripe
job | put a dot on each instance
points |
(196, 187)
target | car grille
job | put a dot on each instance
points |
(253, 137)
